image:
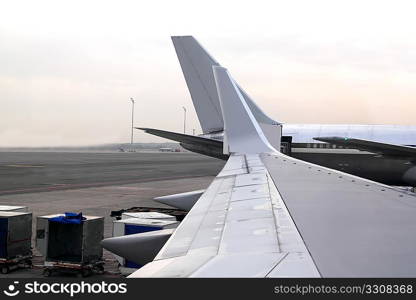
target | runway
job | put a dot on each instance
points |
(28, 172)
(96, 184)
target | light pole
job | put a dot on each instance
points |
(132, 119)
(184, 119)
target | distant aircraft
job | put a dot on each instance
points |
(383, 153)
(267, 214)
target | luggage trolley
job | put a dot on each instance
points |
(15, 240)
(70, 243)
(80, 269)
(7, 265)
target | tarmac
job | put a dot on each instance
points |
(96, 184)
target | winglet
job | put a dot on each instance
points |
(242, 132)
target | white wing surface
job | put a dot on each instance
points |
(269, 215)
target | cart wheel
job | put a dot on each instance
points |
(5, 269)
(47, 273)
(86, 272)
(29, 263)
(99, 269)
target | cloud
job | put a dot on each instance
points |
(68, 70)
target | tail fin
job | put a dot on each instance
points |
(242, 132)
(197, 64)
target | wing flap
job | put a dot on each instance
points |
(240, 265)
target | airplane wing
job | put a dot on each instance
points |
(270, 215)
(371, 146)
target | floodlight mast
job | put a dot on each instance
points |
(132, 119)
(184, 119)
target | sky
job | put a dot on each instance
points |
(69, 68)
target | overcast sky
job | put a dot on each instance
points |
(68, 68)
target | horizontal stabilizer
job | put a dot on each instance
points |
(180, 137)
(371, 146)
(197, 144)
(140, 248)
